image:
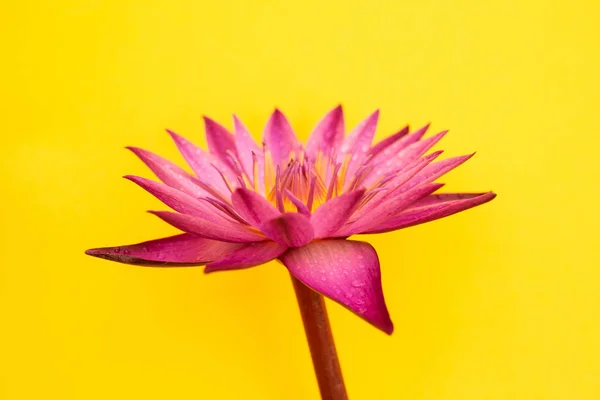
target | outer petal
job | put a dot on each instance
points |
(223, 231)
(289, 229)
(220, 142)
(333, 214)
(176, 251)
(253, 207)
(169, 173)
(430, 212)
(345, 271)
(279, 137)
(178, 200)
(202, 163)
(250, 255)
(444, 198)
(327, 135)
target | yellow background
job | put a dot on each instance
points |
(500, 302)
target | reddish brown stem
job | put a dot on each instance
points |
(320, 340)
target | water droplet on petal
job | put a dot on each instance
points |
(357, 284)
(117, 250)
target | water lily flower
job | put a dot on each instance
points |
(247, 204)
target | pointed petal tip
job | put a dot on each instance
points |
(92, 252)
(209, 121)
(388, 328)
(176, 137)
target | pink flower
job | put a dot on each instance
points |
(248, 204)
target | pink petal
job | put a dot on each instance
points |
(178, 200)
(245, 146)
(333, 214)
(431, 211)
(250, 255)
(391, 207)
(393, 149)
(345, 271)
(253, 207)
(387, 142)
(202, 163)
(327, 135)
(443, 198)
(397, 181)
(358, 143)
(223, 231)
(404, 157)
(279, 137)
(289, 229)
(170, 173)
(436, 170)
(220, 142)
(176, 251)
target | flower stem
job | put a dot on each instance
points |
(320, 340)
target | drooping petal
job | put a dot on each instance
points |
(327, 135)
(289, 229)
(176, 251)
(178, 200)
(250, 255)
(345, 271)
(202, 163)
(358, 143)
(333, 214)
(430, 212)
(221, 142)
(253, 207)
(223, 231)
(170, 173)
(245, 146)
(385, 143)
(279, 137)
